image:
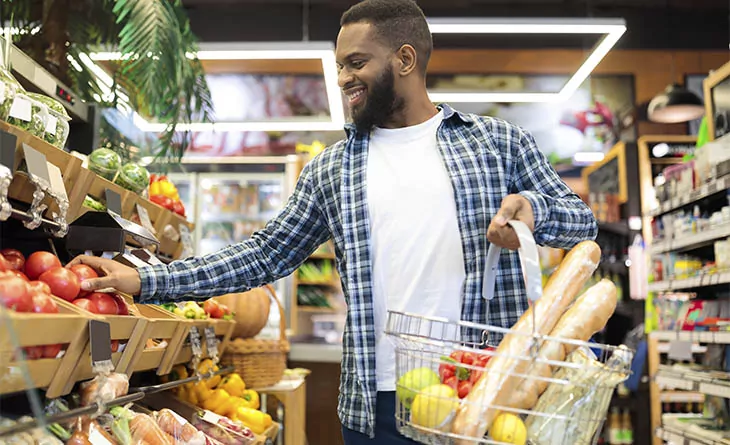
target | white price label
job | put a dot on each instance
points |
(51, 123)
(57, 185)
(144, 218)
(722, 338)
(2, 92)
(680, 350)
(715, 390)
(187, 241)
(21, 109)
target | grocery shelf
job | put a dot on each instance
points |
(681, 397)
(663, 348)
(678, 437)
(690, 241)
(693, 336)
(695, 381)
(709, 279)
(704, 191)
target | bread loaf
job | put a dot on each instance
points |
(498, 383)
(585, 317)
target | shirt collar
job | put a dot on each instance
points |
(449, 113)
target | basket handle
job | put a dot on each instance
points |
(282, 319)
(529, 260)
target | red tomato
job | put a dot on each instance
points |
(39, 286)
(4, 264)
(64, 283)
(87, 305)
(14, 294)
(105, 303)
(51, 351)
(212, 308)
(163, 201)
(122, 308)
(14, 259)
(115, 345)
(14, 273)
(44, 303)
(452, 382)
(33, 352)
(84, 272)
(446, 368)
(40, 262)
(178, 208)
(464, 388)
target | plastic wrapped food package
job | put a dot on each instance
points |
(105, 162)
(9, 88)
(57, 123)
(180, 429)
(222, 429)
(571, 412)
(133, 177)
(28, 114)
(105, 387)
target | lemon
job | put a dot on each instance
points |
(434, 406)
(508, 428)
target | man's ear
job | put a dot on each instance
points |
(408, 59)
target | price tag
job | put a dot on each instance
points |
(195, 342)
(101, 345)
(37, 163)
(715, 390)
(7, 149)
(680, 350)
(211, 342)
(57, 185)
(113, 201)
(144, 218)
(51, 123)
(187, 241)
(712, 187)
(21, 109)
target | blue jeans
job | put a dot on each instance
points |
(385, 429)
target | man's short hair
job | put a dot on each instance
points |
(396, 22)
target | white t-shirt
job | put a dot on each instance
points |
(418, 263)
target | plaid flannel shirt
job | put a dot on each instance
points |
(486, 159)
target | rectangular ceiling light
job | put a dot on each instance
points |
(610, 29)
(323, 51)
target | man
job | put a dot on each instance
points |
(410, 199)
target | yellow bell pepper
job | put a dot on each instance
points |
(232, 407)
(179, 372)
(202, 391)
(254, 419)
(193, 397)
(252, 398)
(217, 399)
(182, 393)
(228, 406)
(207, 366)
(233, 383)
(155, 189)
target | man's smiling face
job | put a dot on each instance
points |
(366, 76)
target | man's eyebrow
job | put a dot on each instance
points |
(354, 55)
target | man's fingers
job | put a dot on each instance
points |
(92, 261)
(93, 284)
(511, 205)
(503, 237)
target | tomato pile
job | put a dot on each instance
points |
(29, 284)
(462, 378)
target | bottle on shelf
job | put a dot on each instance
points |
(627, 431)
(614, 428)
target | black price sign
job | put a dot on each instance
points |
(211, 341)
(195, 342)
(113, 201)
(7, 149)
(101, 342)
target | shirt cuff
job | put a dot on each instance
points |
(540, 209)
(154, 283)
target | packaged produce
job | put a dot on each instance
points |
(94, 204)
(133, 177)
(104, 387)
(36, 436)
(9, 88)
(105, 163)
(120, 425)
(180, 429)
(222, 429)
(57, 124)
(145, 429)
(28, 114)
(572, 410)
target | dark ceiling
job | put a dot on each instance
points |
(652, 24)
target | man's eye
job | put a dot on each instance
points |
(357, 64)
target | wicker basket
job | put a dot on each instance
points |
(261, 363)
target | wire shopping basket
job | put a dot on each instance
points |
(538, 383)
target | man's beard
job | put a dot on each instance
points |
(380, 103)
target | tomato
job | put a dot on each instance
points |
(463, 388)
(33, 352)
(115, 345)
(87, 305)
(14, 294)
(51, 351)
(122, 308)
(453, 382)
(39, 286)
(213, 308)
(14, 273)
(43, 303)
(40, 262)
(4, 264)
(178, 208)
(84, 272)
(447, 368)
(163, 201)
(64, 283)
(14, 259)
(105, 303)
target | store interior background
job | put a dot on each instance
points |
(233, 182)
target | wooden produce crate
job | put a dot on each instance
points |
(271, 433)
(75, 179)
(223, 331)
(171, 247)
(129, 329)
(69, 327)
(185, 353)
(97, 190)
(163, 325)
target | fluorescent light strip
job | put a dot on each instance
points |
(262, 51)
(612, 28)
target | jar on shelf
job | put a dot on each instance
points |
(57, 123)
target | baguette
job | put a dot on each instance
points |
(588, 315)
(495, 387)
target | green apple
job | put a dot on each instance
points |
(413, 381)
(434, 406)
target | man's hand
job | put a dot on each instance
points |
(513, 207)
(111, 274)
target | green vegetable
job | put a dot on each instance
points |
(105, 163)
(133, 177)
(9, 88)
(38, 114)
(94, 204)
(120, 426)
(51, 103)
(56, 110)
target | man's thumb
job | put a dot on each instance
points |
(93, 284)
